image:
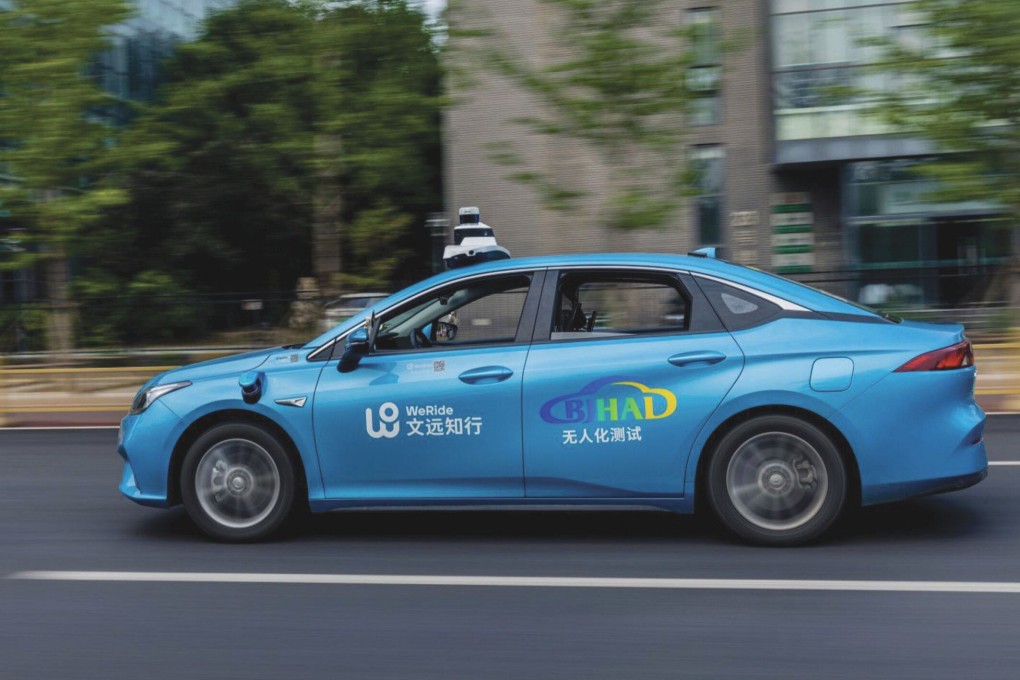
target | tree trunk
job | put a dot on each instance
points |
(60, 321)
(326, 246)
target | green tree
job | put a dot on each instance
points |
(275, 104)
(382, 109)
(620, 88)
(219, 168)
(54, 135)
(954, 79)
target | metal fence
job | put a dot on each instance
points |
(119, 321)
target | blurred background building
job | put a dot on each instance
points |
(794, 177)
(130, 69)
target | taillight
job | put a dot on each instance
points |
(959, 355)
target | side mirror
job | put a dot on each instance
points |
(359, 344)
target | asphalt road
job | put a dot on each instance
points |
(59, 510)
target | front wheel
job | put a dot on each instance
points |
(238, 483)
(777, 480)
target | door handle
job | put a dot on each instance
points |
(485, 375)
(689, 358)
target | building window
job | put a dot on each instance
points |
(821, 52)
(706, 170)
(703, 77)
(910, 249)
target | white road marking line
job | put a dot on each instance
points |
(526, 581)
(1004, 462)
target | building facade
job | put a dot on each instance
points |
(131, 68)
(794, 176)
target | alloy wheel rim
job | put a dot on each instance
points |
(777, 481)
(237, 483)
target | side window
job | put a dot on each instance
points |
(482, 311)
(607, 304)
(738, 309)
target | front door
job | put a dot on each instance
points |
(435, 410)
(615, 394)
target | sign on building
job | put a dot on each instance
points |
(793, 233)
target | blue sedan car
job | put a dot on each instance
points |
(644, 380)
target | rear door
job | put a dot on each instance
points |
(626, 367)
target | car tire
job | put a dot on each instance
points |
(238, 484)
(776, 480)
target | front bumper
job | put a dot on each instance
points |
(129, 487)
(145, 442)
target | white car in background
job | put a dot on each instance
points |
(346, 306)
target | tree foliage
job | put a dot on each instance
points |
(53, 135)
(383, 100)
(223, 169)
(954, 79)
(218, 170)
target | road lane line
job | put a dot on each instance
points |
(1004, 462)
(524, 581)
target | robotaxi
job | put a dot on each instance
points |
(661, 381)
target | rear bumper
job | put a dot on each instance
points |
(915, 434)
(926, 487)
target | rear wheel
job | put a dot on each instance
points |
(777, 480)
(238, 483)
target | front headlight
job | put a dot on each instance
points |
(144, 398)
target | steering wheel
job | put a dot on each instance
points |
(419, 340)
(591, 320)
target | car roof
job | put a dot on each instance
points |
(800, 294)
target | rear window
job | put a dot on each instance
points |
(737, 308)
(819, 291)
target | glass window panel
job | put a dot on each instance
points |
(787, 6)
(792, 45)
(704, 23)
(870, 26)
(485, 311)
(703, 78)
(812, 89)
(709, 218)
(631, 305)
(707, 166)
(704, 110)
(805, 125)
(884, 242)
(706, 163)
(830, 37)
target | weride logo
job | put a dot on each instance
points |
(389, 425)
(620, 399)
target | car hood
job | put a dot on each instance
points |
(236, 363)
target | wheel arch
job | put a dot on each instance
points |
(838, 438)
(209, 420)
